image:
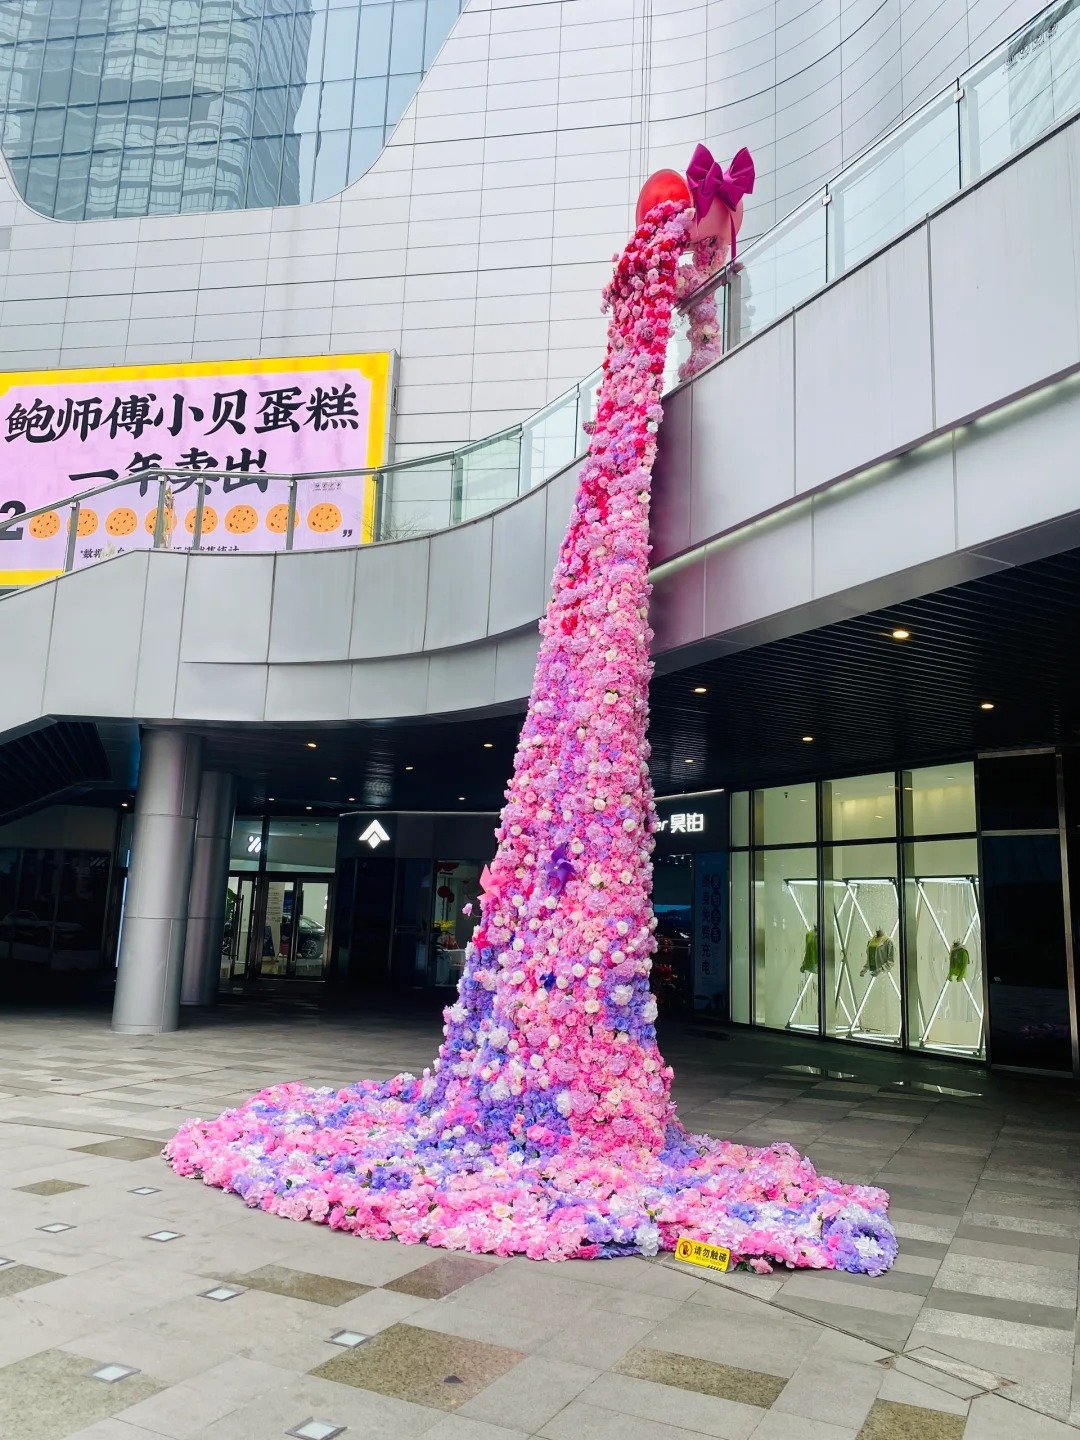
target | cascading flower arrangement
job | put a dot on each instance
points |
(545, 1127)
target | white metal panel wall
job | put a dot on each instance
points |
(477, 244)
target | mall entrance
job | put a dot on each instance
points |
(276, 927)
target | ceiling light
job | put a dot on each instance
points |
(269, 797)
(489, 745)
(461, 797)
(688, 761)
(307, 807)
(987, 705)
(352, 799)
(700, 690)
(333, 777)
(408, 767)
(807, 739)
(901, 634)
(123, 805)
(311, 745)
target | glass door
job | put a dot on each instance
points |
(311, 935)
(239, 903)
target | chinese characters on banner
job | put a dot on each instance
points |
(65, 432)
(710, 927)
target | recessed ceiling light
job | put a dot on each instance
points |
(307, 807)
(700, 690)
(901, 634)
(489, 745)
(688, 761)
(461, 797)
(333, 777)
(408, 767)
(123, 804)
(352, 799)
(311, 745)
(807, 739)
(987, 705)
(269, 797)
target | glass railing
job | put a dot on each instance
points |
(992, 111)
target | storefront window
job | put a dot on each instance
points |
(862, 943)
(939, 800)
(785, 912)
(785, 815)
(740, 936)
(861, 807)
(740, 818)
(457, 884)
(944, 947)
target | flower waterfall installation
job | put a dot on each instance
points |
(546, 1127)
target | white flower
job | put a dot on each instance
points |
(593, 981)
(592, 1006)
(578, 971)
(649, 1011)
(622, 994)
(562, 1103)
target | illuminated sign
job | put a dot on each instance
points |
(63, 432)
(690, 822)
(374, 835)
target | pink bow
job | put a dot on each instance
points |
(709, 181)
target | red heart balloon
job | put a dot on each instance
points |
(664, 185)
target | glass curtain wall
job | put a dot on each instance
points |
(153, 107)
(855, 910)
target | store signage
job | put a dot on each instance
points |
(254, 844)
(63, 432)
(691, 822)
(374, 835)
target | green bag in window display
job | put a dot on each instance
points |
(810, 954)
(959, 959)
(880, 954)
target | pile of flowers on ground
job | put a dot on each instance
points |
(545, 1127)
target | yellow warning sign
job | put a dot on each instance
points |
(713, 1257)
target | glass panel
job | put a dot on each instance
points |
(775, 275)
(785, 815)
(246, 844)
(239, 903)
(48, 130)
(80, 913)
(117, 65)
(29, 926)
(63, 16)
(740, 937)
(242, 61)
(456, 884)
(133, 197)
(550, 440)
(302, 845)
(275, 55)
(399, 91)
(41, 183)
(939, 800)
(86, 74)
(364, 147)
(104, 184)
(9, 881)
(369, 103)
(26, 74)
(1025, 953)
(944, 947)
(441, 15)
(237, 113)
(56, 72)
(340, 59)
(1018, 792)
(373, 48)
(311, 951)
(277, 926)
(862, 807)
(862, 943)
(270, 111)
(486, 475)
(231, 180)
(79, 128)
(18, 129)
(331, 164)
(785, 908)
(307, 54)
(167, 180)
(1020, 91)
(264, 174)
(336, 106)
(149, 63)
(200, 173)
(740, 818)
(407, 45)
(680, 979)
(415, 500)
(180, 51)
(900, 181)
(71, 187)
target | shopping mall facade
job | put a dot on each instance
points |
(344, 260)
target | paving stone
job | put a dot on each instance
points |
(706, 1377)
(123, 1147)
(50, 1394)
(50, 1187)
(441, 1277)
(299, 1285)
(16, 1278)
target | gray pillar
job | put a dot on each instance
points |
(156, 904)
(209, 879)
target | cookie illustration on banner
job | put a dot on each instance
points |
(324, 517)
(241, 520)
(209, 520)
(88, 523)
(44, 527)
(151, 521)
(277, 519)
(121, 521)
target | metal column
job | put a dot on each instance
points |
(209, 879)
(154, 923)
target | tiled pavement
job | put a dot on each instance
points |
(970, 1337)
